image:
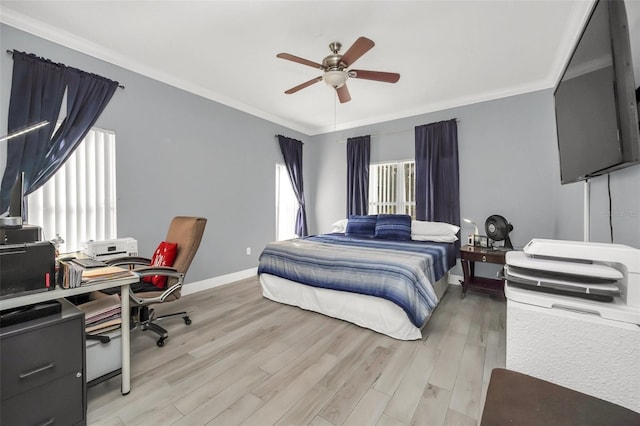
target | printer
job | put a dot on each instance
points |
(573, 316)
(110, 249)
(599, 278)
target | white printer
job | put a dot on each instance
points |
(598, 278)
(573, 317)
(110, 249)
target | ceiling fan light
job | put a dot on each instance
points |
(335, 78)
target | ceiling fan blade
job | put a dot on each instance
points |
(343, 94)
(299, 60)
(387, 77)
(361, 46)
(303, 85)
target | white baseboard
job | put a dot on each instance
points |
(455, 279)
(210, 283)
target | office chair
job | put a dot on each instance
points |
(187, 233)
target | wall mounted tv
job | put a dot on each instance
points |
(597, 120)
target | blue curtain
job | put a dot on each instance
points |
(37, 90)
(358, 155)
(87, 96)
(437, 173)
(292, 153)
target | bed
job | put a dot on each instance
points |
(385, 285)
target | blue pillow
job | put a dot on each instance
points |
(393, 227)
(361, 226)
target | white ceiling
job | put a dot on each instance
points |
(449, 53)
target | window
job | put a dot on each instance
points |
(286, 205)
(79, 201)
(392, 188)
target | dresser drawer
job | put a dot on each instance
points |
(39, 356)
(60, 402)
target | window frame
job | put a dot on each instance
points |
(289, 207)
(397, 201)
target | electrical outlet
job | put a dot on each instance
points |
(248, 251)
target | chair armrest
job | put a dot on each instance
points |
(167, 271)
(129, 261)
(157, 270)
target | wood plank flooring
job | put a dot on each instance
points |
(246, 360)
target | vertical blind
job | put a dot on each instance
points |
(410, 188)
(79, 201)
(392, 188)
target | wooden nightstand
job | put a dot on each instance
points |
(468, 256)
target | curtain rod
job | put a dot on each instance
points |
(377, 135)
(10, 52)
(276, 136)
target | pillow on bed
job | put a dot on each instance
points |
(361, 226)
(339, 226)
(422, 230)
(393, 227)
(435, 238)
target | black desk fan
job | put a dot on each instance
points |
(498, 228)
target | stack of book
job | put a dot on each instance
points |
(102, 315)
(73, 275)
(69, 274)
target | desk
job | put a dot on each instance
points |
(58, 293)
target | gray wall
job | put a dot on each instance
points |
(508, 165)
(501, 147)
(177, 154)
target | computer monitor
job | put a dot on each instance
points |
(16, 199)
(12, 219)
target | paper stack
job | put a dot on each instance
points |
(102, 315)
(92, 275)
(71, 274)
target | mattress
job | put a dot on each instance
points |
(365, 311)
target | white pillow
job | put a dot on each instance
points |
(339, 226)
(421, 227)
(435, 238)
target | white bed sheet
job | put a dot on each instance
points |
(366, 311)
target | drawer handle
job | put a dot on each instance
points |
(35, 371)
(49, 421)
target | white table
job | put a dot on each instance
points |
(58, 293)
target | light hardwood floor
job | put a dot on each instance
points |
(246, 360)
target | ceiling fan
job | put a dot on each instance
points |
(335, 68)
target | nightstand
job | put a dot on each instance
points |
(468, 256)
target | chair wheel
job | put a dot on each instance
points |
(160, 342)
(187, 320)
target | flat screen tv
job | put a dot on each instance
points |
(595, 100)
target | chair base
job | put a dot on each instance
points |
(146, 320)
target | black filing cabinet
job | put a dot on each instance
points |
(42, 370)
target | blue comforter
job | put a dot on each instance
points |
(400, 271)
